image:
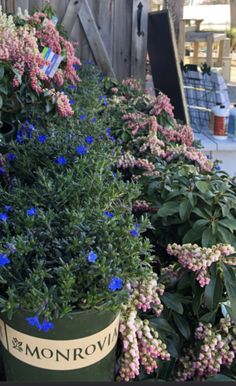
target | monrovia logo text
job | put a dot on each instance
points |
(69, 354)
(60, 354)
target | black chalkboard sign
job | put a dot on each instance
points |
(165, 67)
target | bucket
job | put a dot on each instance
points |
(81, 347)
(221, 120)
(232, 122)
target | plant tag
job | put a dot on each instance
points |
(54, 62)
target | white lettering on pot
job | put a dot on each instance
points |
(59, 354)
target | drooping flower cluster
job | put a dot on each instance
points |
(140, 342)
(198, 259)
(162, 104)
(190, 153)
(217, 348)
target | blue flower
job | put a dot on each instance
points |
(218, 167)
(3, 217)
(76, 67)
(3, 260)
(42, 138)
(134, 232)
(89, 139)
(8, 208)
(11, 247)
(114, 174)
(31, 212)
(34, 321)
(92, 257)
(72, 86)
(11, 156)
(46, 326)
(2, 170)
(115, 284)
(93, 120)
(71, 101)
(82, 117)
(108, 131)
(108, 214)
(61, 160)
(81, 150)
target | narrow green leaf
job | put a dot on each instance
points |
(182, 325)
(209, 317)
(208, 239)
(191, 236)
(171, 301)
(2, 70)
(225, 235)
(228, 223)
(203, 186)
(201, 213)
(185, 209)
(168, 209)
(213, 292)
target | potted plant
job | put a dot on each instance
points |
(69, 246)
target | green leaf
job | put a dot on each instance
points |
(200, 224)
(203, 186)
(1, 102)
(201, 213)
(228, 223)
(2, 71)
(168, 209)
(213, 292)
(182, 325)
(208, 239)
(197, 298)
(209, 317)
(171, 301)
(161, 324)
(192, 199)
(3, 89)
(230, 284)
(191, 236)
(225, 236)
(185, 209)
(220, 378)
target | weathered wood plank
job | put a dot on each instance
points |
(103, 11)
(95, 41)
(122, 38)
(23, 4)
(70, 16)
(139, 43)
(35, 5)
(10, 6)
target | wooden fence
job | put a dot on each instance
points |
(112, 33)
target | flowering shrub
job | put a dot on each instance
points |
(22, 78)
(191, 206)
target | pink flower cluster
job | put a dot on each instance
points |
(217, 349)
(140, 343)
(190, 153)
(198, 259)
(128, 161)
(142, 206)
(21, 48)
(132, 83)
(162, 104)
(48, 36)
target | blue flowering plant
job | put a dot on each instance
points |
(69, 240)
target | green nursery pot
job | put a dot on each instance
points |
(81, 347)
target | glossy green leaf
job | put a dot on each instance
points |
(208, 238)
(185, 209)
(168, 209)
(213, 292)
(171, 301)
(182, 325)
(203, 186)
